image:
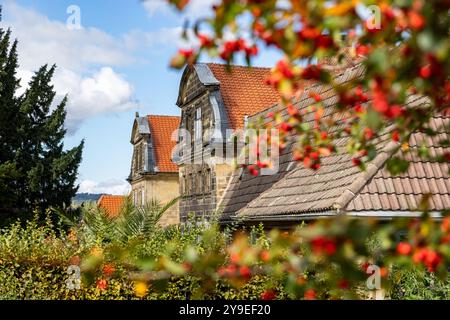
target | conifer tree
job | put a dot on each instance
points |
(9, 113)
(36, 172)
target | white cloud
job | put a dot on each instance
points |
(195, 8)
(105, 91)
(154, 6)
(115, 187)
(85, 60)
(42, 40)
(164, 36)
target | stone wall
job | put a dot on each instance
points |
(201, 181)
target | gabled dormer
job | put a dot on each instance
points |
(153, 144)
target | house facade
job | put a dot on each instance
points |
(296, 193)
(153, 175)
(214, 103)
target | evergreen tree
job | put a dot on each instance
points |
(9, 114)
(35, 170)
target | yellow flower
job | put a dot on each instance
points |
(140, 289)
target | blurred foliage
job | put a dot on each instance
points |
(326, 259)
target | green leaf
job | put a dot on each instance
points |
(397, 165)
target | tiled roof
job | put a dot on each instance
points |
(161, 129)
(243, 91)
(296, 191)
(404, 191)
(111, 204)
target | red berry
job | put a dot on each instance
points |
(314, 155)
(425, 72)
(102, 284)
(362, 50)
(292, 111)
(416, 20)
(343, 284)
(363, 153)
(356, 162)
(368, 133)
(432, 260)
(108, 270)
(286, 127)
(307, 162)
(394, 111)
(404, 248)
(445, 226)
(186, 53)
(419, 256)
(235, 258)
(310, 294)
(268, 295)
(315, 96)
(245, 271)
(396, 136)
(265, 255)
(205, 41)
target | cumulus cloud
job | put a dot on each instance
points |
(164, 36)
(105, 91)
(86, 61)
(154, 6)
(195, 8)
(42, 40)
(115, 187)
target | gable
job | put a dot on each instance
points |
(140, 128)
(194, 81)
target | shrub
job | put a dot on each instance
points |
(321, 260)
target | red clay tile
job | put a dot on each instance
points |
(111, 204)
(243, 91)
(161, 128)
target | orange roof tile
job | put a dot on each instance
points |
(161, 128)
(111, 204)
(243, 91)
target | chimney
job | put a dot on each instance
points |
(137, 114)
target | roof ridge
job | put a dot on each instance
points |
(162, 115)
(314, 85)
(351, 192)
(235, 65)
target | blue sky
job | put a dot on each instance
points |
(115, 65)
